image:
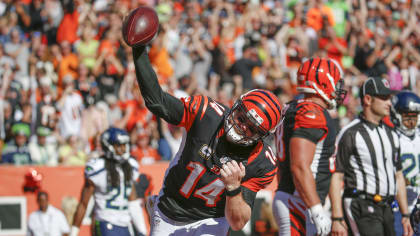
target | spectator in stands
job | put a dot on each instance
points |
(18, 50)
(143, 151)
(87, 47)
(43, 153)
(66, 62)
(16, 151)
(72, 153)
(48, 220)
(70, 106)
(201, 38)
(245, 65)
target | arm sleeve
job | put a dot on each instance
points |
(157, 101)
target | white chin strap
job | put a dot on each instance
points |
(122, 158)
(234, 137)
(403, 129)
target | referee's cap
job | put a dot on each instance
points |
(376, 87)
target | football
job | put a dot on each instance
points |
(140, 26)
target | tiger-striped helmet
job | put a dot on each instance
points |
(323, 77)
(254, 115)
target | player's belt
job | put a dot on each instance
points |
(376, 198)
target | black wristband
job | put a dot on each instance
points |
(337, 218)
(405, 215)
(234, 192)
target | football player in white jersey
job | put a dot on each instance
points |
(405, 115)
(110, 179)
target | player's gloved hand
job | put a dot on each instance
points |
(321, 220)
(415, 218)
(415, 181)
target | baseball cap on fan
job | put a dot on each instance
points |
(376, 87)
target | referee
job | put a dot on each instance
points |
(367, 161)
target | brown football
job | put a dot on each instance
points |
(140, 26)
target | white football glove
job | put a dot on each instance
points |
(321, 220)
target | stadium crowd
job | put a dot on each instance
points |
(66, 74)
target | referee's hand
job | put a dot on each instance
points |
(339, 228)
(232, 174)
(408, 231)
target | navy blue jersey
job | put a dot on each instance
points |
(310, 121)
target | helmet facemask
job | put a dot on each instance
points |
(339, 93)
(243, 127)
(404, 129)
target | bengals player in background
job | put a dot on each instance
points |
(222, 163)
(305, 145)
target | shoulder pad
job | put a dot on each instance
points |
(310, 115)
(94, 165)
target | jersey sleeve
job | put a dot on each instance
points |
(263, 173)
(310, 123)
(94, 167)
(160, 103)
(193, 106)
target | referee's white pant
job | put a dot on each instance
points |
(160, 225)
(291, 215)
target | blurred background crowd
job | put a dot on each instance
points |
(66, 75)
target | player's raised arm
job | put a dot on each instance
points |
(157, 101)
(139, 29)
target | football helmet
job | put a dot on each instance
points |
(323, 77)
(254, 115)
(114, 136)
(404, 102)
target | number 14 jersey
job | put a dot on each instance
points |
(193, 189)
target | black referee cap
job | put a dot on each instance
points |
(376, 87)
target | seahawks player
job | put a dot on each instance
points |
(222, 163)
(110, 179)
(405, 115)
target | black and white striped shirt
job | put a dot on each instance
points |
(367, 154)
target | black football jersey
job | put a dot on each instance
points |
(310, 121)
(193, 189)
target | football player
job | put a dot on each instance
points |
(110, 179)
(405, 114)
(305, 145)
(222, 163)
